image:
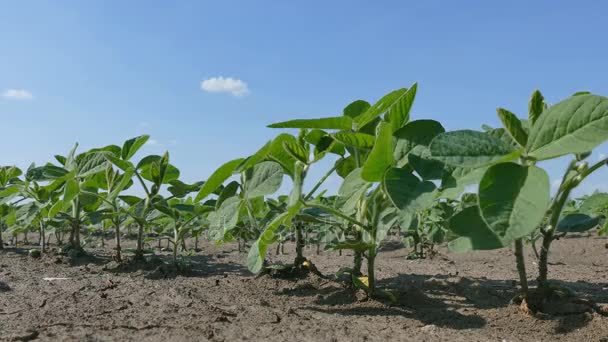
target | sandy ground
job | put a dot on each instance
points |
(452, 297)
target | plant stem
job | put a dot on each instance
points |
(1, 229)
(371, 276)
(299, 245)
(557, 206)
(521, 266)
(42, 237)
(118, 248)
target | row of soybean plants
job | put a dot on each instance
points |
(397, 173)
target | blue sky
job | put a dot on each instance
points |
(99, 72)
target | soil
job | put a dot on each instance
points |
(451, 297)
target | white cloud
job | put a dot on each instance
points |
(220, 84)
(17, 94)
(601, 156)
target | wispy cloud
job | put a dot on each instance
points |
(601, 156)
(220, 84)
(17, 94)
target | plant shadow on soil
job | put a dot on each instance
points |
(441, 300)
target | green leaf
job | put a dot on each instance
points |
(180, 189)
(472, 232)
(338, 122)
(225, 218)
(257, 253)
(513, 199)
(264, 179)
(218, 178)
(296, 151)
(277, 152)
(468, 148)
(228, 191)
(90, 163)
(407, 192)
(381, 156)
(351, 191)
(594, 204)
(356, 108)
(131, 146)
(454, 183)
(399, 114)
(344, 166)
(575, 125)
(382, 106)
(71, 190)
(536, 106)
(577, 223)
(513, 126)
(413, 134)
(359, 140)
(425, 166)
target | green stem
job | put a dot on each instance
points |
(521, 266)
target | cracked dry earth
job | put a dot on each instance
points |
(452, 297)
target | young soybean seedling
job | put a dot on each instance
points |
(514, 198)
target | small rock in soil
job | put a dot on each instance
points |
(111, 266)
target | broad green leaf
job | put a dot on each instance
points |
(71, 190)
(513, 199)
(594, 204)
(536, 106)
(407, 192)
(350, 192)
(131, 146)
(218, 178)
(356, 108)
(454, 183)
(9, 191)
(414, 133)
(359, 140)
(296, 151)
(399, 114)
(472, 232)
(152, 172)
(264, 179)
(180, 189)
(225, 218)
(338, 122)
(425, 166)
(513, 126)
(468, 148)
(577, 223)
(575, 125)
(90, 163)
(229, 190)
(124, 182)
(277, 153)
(382, 106)
(381, 156)
(55, 209)
(344, 166)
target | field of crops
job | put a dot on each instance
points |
(433, 234)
